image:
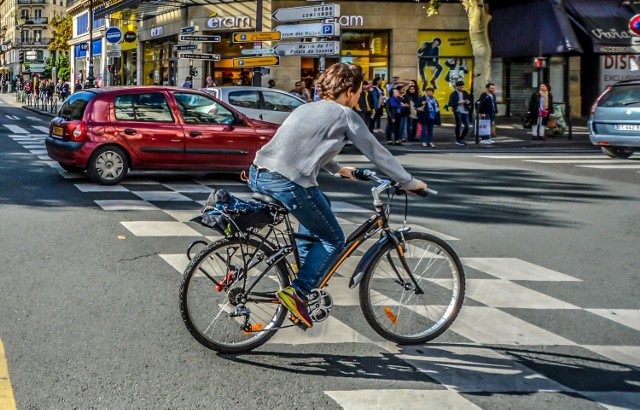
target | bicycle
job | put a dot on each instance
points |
(411, 284)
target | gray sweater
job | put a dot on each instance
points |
(314, 134)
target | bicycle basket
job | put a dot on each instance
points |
(230, 215)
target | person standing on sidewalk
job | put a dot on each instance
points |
(488, 110)
(428, 116)
(541, 108)
(378, 103)
(394, 117)
(412, 100)
(460, 103)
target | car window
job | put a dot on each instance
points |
(151, 107)
(624, 96)
(73, 108)
(200, 109)
(280, 102)
(244, 99)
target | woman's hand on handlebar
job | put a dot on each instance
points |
(418, 186)
(347, 172)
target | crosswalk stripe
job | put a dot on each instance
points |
(16, 129)
(628, 166)
(42, 128)
(7, 400)
(12, 117)
(408, 399)
(578, 161)
(585, 156)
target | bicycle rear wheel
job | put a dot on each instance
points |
(212, 292)
(388, 297)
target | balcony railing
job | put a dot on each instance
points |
(37, 21)
(43, 41)
(29, 2)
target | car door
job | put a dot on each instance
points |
(215, 136)
(145, 122)
(245, 101)
(278, 106)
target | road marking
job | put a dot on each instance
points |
(584, 156)
(42, 129)
(15, 129)
(7, 401)
(401, 398)
(631, 166)
(36, 119)
(578, 161)
(12, 117)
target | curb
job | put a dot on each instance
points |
(37, 111)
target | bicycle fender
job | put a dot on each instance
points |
(365, 261)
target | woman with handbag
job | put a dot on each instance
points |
(541, 109)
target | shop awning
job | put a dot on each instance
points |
(605, 22)
(144, 9)
(533, 29)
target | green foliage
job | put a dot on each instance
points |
(61, 63)
(62, 33)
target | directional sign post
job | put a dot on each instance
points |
(253, 51)
(256, 36)
(319, 12)
(186, 47)
(256, 61)
(204, 39)
(309, 30)
(318, 48)
(211, 57)
(190, 29)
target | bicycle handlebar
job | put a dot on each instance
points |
(368, 175)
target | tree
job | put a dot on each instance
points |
(59, 46)
(479, 20)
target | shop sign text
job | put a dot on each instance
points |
(229, 22)
(157, 32)
(618, 67)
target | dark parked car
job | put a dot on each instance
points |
(614, 124)
(107, 131)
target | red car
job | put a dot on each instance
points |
(107, 131)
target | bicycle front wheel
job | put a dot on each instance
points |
(215, 307)
(398, 310)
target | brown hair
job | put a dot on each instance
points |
(339, 78)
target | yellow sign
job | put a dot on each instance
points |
(255, 61)
(444, 57)
(256, 36)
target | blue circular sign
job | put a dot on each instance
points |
(113, 35)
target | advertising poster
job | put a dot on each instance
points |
(616, 67)
(444, 57)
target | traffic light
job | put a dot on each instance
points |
(111, 68)
(21, 56)
(540, 62)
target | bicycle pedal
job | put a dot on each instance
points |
(298, 323)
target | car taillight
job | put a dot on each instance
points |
(595, 104)
(79, 132)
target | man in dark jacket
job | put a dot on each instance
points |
(460, 103)
(365, 106)
(488, 110)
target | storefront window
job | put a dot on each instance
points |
(159, 62)
(222, 71)
(369, 50)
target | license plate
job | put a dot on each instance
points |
(627, 127)
(58, 131)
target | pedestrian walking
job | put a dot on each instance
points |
(488, 110)
(412, 101)
(460, 103)
(364, 106)
(378, 103)
(541, 109)
(271, 83)
(428, 117)
(187, 82)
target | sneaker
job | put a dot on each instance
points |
(295, 305)
(461, 143)
(491, 141)
(485, 142)
(431, 145)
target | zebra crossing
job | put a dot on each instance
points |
(486, 351)
(595, 160)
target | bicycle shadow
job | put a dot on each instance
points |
(472, 369)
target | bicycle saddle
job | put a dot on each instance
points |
(267, 199)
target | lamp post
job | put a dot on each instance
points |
(22, 19)
(90, 77)
(3, 32)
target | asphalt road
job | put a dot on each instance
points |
(89, 312)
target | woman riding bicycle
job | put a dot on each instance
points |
(287, 168)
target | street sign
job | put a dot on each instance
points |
(31, 53)
(114, 54)
(256, 36)
(255, 61)
(309, 30)
(113, 35)
(190, 29)
(319, 12)
(206, 39)
(212, 57)
(185, 47)
(318, 48)
(31, 57)
(114, 47)
(252, 51)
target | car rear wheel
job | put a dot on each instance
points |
(71, 168)
(108, 165)
(617, 152)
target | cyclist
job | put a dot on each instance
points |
(287, 167)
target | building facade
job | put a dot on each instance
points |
(25, 34)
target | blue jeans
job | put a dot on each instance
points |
(461, 119)
(426, 134)
(313, 211)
